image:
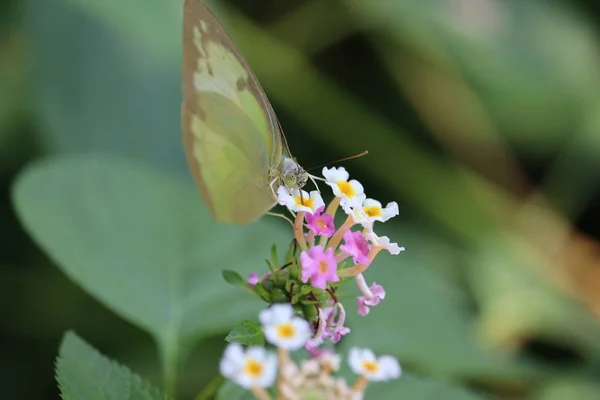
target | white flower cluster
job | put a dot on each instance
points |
(353, 200)
(257, 368)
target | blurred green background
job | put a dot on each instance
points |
(482, 119)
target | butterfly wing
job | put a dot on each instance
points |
(231, 134)
(231, 168)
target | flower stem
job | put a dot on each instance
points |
(341, 257)
(341, 318)
(310, 238)
(211, 389)
(373, 252)
(361, 384)
(322, 324)
(337, 237)
(282, 357)
(260, 393)
(170, 362)
(360, 268)
(299, 231)
(364, 288)
(352, 271)
(333, 206)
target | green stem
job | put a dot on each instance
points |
(170, 362)
(210, 390)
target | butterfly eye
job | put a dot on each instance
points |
(290, 180)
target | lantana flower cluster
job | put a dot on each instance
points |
(330, 255)
(302, 290)
(258, 369)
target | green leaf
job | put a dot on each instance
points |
(234, 278)
(155, 31)
(14, 145)
(424, 319)
(558, 78)
(274, 259)
(132, 51)
(83, 373)
(231, 391)
(247, 333)
(143, 244)
(569, 388)
(416, 388)
(263, 292)
(518, 299)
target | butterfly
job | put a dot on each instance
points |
(233, 142)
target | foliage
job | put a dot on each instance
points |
(481, 120)
(83, 373)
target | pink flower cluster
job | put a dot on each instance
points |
(330, 326)
(325, 249)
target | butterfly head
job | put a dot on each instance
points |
(292, 175)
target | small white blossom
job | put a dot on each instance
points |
(375, 212)
(297, 201)
(383, 368)
(384, 242)
(330, 360)
(283, 329)
(351, 192)
(253, 368)
(370, 211)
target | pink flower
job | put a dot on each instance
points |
(336, 333)
(313, 349)
(319, 266)
(320, 224)
(335, 329)
(252, 279)
(356, 245)
(364, 302)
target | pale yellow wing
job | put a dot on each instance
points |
(231, 169)
(220, 87)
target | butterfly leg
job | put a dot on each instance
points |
(271, 186)
(312, 178)
(280, 216)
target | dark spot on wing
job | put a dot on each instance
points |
(241, 84)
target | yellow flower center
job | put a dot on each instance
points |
(253, 368)
(373, 211)
(304, 201)
(321, 223)
(286, 330)
(346, 188)
(370, 366)
(323, 266)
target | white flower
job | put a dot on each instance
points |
(254, 368)
(351, 192)
(363, 362)
(330, 361)
(296, 200)
(370, 211)
(384, 243)
(375, 212)
(283, 329)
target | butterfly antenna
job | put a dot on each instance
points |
(364, 153)
(284, 140)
